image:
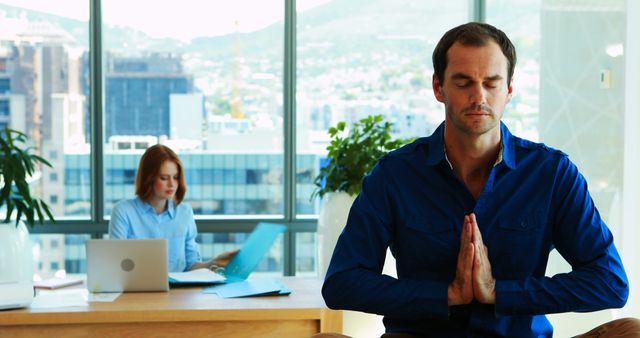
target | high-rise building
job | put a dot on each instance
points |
(40, 95)
(138, 93)
(5, 87)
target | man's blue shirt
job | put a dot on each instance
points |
(135, 218)
(534, 200)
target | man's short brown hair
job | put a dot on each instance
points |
(472, 34)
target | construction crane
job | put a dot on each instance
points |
(236, 100)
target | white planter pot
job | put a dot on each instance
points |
(334, 210)
(16, 266)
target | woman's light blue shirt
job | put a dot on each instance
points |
(135, 218)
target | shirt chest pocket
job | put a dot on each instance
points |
(522, 223)
(429, 225)
(517, 245)
(428, 241)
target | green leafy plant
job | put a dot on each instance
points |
(351, 157)
(17, 164)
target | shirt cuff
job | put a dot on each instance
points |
(511, 298)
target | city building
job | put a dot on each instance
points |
(139, 93)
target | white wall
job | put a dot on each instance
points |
(631, 190)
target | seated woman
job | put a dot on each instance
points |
(158, 211)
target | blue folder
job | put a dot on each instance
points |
(245, 261)
(250, 287)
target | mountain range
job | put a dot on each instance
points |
(348, 25)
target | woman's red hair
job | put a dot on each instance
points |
(149, 168)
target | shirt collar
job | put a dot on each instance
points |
(171, 209)
(146, 207)
(508, 147)
(437, 151)
(436, 146)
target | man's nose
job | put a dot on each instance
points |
(477, 95)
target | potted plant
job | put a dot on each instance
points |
(17, 167)
(350, 157)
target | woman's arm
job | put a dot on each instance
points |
(119, 223)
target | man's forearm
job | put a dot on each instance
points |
(366, 291)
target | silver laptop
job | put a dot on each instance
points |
(119, 265)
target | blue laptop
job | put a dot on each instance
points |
(242, 265)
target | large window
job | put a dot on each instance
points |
(356, 59)
(207, 81)
(360, 59)
(43, 72)
(43, 69)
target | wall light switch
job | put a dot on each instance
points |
(605, 78)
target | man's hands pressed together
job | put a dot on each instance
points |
(474, 279)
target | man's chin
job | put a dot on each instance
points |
(475, 126)
(481, 128)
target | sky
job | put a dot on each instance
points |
(163, 19)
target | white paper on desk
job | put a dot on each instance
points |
(196, 276)
(60, 298)
(56, 283)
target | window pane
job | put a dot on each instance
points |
(207, 82)
(522, 113)
(44, 93)
(306, 262)
(362, 59)
(57, 255)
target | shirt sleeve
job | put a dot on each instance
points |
(192, 252)
(354, 279)
(119, 224)
(597, 280)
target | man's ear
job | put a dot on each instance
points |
(437, 88)
(509, 92)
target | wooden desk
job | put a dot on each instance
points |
(183, 312)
